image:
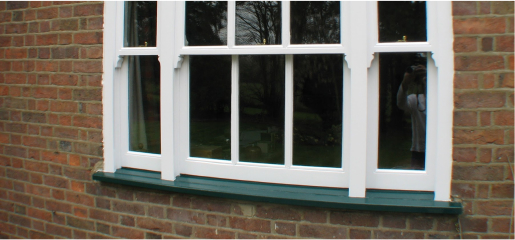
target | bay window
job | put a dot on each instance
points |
(298, 93)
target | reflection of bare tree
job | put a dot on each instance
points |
(206, 23)
(256, 21)
(315, 22)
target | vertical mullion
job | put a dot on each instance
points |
(231, 23)
(285, 30)
(288, 111)
(235, 99)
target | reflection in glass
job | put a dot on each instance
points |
(206, 23)
(402, 110)
(258, 23)
(317, 117)
(315, 22)
(210, 107)
(144, 104)
(140, 24)
(261, 108)
(399, 18)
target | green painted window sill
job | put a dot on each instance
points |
(375, 200)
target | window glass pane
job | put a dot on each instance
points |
(261, 108)
(315, 22)
(402, 110)
(258, 23)
(399, 19)
(317, 117)
(140, 24)
(210, 107)
(206, 23)
(144, 104)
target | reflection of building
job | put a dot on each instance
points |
(51, 128)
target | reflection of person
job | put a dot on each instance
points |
(415, 104)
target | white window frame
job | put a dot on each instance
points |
(358, 44)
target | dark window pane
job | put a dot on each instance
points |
(315, 22)
(258, 23)
(140, 24)
(317, 117)
(144, 104)
(210, 107)
(262, 108)
(206, 23)
(398, 19)
(402, 110)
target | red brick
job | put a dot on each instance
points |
(87, 95)
(58, 182)
(479, 25)
(485, 118)
(58, 230)
(154, 224)
(478, 63)
(383, 234)
(16, 28)
(506, 80)
(60, 106)
(95, 23)
(481, 173)
(47, 66)
(181, 201)
(54, 157)
(183, 215)
(277, 212)
(127, 207)
(478, 136)
(211, 233)
(321, 231)
(127, 233)
(501, 225)
(80, 223)
(107, 216)
(153, 198)
(87, 122)
(464, 8)
(47, 39)
(15, 78)
(487, 44)
(38, 190)
(504, 44)
(502, 190)
(183, 230)
(15, 53)
(88, 10)
(285, 228)
(48, 13)
(360, 234)
(34, 142)
(40, 214)
(250, 224)
(64, 80)
(87, 67)
(421, 223)
(354, 219)
(465, 44)
(88, 38)
(156, 212)
(315, 216)
(504, 154)
(463, 190)
(36, 166)
(502, 7)
(469, 224)
(465, 118)
(485, 155)
(503, 118)
(80, 198)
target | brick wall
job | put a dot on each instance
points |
(50, 137)
(483, 119)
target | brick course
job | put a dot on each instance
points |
(51, 137)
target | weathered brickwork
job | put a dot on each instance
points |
(51, 137)
(483, 119)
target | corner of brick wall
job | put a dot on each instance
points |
(483, 118)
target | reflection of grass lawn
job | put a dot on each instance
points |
(320, 156)
(394, 150)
